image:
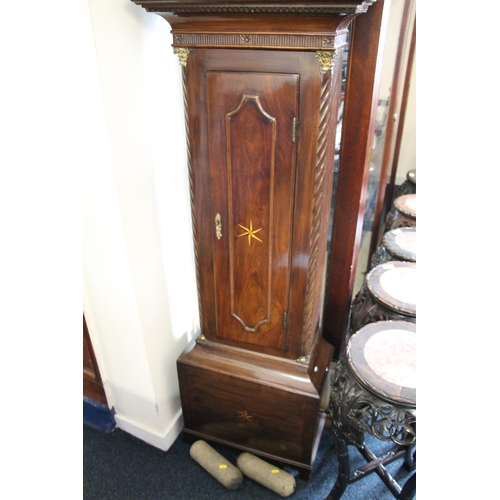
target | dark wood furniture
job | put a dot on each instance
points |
(261, 90)
(374, 392)
(92, 382)
(397, 244)
(388, 293)
(403, 212)
(409, 186)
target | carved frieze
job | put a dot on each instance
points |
(270, 40)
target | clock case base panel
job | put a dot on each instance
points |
(254, 402)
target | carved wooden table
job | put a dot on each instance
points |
(403, 212)
(389, 293)
(397, 244)
(373, 390)
(409, 186)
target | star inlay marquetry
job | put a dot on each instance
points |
(244, 415)
(250, 232)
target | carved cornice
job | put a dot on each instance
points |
(276, 7)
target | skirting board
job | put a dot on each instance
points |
(162, 441)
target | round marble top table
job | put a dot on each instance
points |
(403, 212)
(383, 357)
(373, 390)
(388, 293)
(397, 244)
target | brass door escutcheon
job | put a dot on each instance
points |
(218, 227)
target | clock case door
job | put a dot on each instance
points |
(252, 160)
(260, 226)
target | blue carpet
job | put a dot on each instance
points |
(119, 466)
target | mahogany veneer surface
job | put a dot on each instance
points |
(252, 402)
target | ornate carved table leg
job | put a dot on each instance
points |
(342, 452)
(410, 461)
(409, 488)
(342, 433)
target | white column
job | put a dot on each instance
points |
(139, 280)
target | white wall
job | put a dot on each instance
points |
(140, 297)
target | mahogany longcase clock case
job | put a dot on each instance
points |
(261, 89)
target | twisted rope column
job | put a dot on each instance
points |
(183, 53)
(326, 60)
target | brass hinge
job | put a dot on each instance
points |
(295, 126)
(285, 321)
